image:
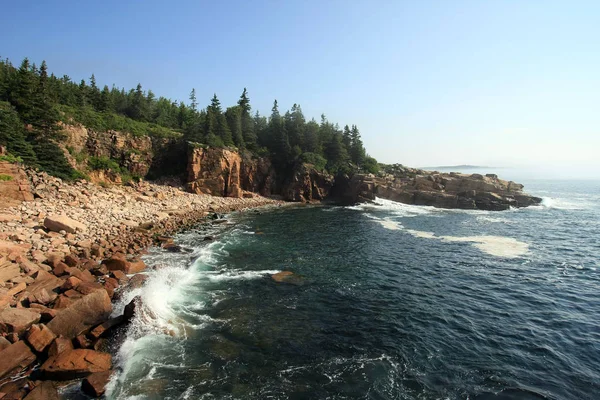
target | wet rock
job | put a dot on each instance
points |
(103, 328)
(76, 363)
(288, 277)
(94, 385)
(15, 357)
(81, 315)
(45, 390)
(130, 308)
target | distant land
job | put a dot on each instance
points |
(459, 167)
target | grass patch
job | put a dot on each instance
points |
(5, 178)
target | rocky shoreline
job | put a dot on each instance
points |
(65, 255)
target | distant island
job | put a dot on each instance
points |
(459, 167)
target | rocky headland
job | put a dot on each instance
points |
(67, 248)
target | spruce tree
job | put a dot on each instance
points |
(357, 151)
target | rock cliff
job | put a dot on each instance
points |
(440, 190)
(307, 184)
(226, 173)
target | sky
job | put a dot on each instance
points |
(500, 83)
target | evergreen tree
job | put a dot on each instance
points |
(12, 134)
(248, 132)
(193, 100)
(22, 93)
(234, 121)
(347, 138)
(357, 151)
(45, 116)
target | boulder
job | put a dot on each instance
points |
(86, 312)
(57, 223)
(288, 277)
(44, 391)
(94, 385)
(40, 337)
(76, 363)
(106, 326)
(59, 345)
(15, 357)
(120, 263)
(17, 320)
(8, 271)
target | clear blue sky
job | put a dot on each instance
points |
(427, 82)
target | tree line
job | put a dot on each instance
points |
(32, 103)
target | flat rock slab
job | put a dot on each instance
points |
(76, 363)
(9, 271)
(83, 314)
(17, 320)
(59, 223)
(15, 357)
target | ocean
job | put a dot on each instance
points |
(392, 302)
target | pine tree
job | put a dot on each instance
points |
(45, 114)
(234, 121)
(357, 151)
(347, 138)
(248, 132)
(193, 100)
(22, 93)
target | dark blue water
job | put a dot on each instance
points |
(394, 302)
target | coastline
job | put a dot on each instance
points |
(63, 257)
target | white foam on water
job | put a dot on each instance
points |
(228, 275)
(422, 234)
(498, 246)
(562, 204)
(389, 224)
(165, 295)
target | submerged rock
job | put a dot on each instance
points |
(288, 277)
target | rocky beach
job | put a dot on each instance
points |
(65, 250)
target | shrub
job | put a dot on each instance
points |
(317, 160)
(103, 163)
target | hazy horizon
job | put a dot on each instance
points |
(428, 83)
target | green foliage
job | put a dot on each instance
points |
(103, 163)
(11, 159)
(33, 102)
(370, 165)
(317, 160)
(4, 177)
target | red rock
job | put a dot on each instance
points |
(71, 294)
(59, 223)
(62, 302)
(60, 269)
(135, 266)
(15, 357)
(71, 283)
(106, 326)
(17, 289)
(46, 313)
(94, 385)
(39, 337)
(81, 315)
(72, 260)
(44, 391)
(59, 345)
(54, 258)
(17, 320)
(4, 343)
(120, 276)
(76, 363)
(82, 342)
(89, 287)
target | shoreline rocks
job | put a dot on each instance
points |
(64, 256)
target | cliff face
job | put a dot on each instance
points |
(222, 172)
(227, 173)
(451, 190)
(142, 156)
(307, 184)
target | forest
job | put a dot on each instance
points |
(34, 103)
